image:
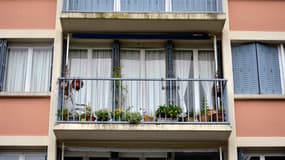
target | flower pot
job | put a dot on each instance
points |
(92, 118)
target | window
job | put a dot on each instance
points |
(28, 69)
(256, 69)
(22, 156)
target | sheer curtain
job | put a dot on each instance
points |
(207, 70)
(143, 95)
(94, 64)
(101, 67)
(78, 63)
(131, 68)
(183, 65)
(41, 69)
(154, 68)
(16, 69)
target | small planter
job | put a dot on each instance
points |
(148, 118)
(92, 118)
(76, 84)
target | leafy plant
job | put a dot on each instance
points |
(119, 115)
(173, 111)
(170, 111)
(161, 111)
(134, 117)
(102, 115)
(204, 106)
(63, 114)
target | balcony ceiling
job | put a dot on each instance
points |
(143, 22)
(142, 132)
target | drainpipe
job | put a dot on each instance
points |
(215, 53)
(62, 151)
(67, 56)
(221, 153)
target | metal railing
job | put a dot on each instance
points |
(159, 6)
(123, 100)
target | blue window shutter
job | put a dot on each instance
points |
(3, 54)
(245, 69)
(268, 69)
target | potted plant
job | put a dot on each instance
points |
(204, 110)
(134, 117)
(161, 111)
(148, 118)
(173, 111)
(119, 115)
(102, 115)
(63, 114)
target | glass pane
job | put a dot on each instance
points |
(41, 70)
(274, 157)
(254, 158)
(12, 157)
(16, 69)
(35, 157)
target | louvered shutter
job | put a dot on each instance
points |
(268, 69)
(245, 69)
(3, 54)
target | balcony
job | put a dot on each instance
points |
(142, 109)
(143, 15)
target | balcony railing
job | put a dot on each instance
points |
(124, 100)
(159, 6)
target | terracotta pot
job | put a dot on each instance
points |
(92, 118)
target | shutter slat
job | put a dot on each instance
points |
(245, 69)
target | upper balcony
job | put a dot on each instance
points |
(143, 15)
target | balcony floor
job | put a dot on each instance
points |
(142, 132)
(143, 22)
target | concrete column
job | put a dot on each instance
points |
(228, 74)
(56, 73)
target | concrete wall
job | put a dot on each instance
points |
(24, 116)
(260, 118)
(257, 15)
(27, 14)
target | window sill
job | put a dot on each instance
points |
(260, 96)
(24, 94)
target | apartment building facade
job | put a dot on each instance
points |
(142, 79)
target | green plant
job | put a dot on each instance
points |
(119, 115)
(170, 111)
(134, 117)
(204, 106)
(63, 114)
(102, 115)
(161, 111)
(173, 111)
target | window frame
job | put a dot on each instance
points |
(281, 65)
(30, 48)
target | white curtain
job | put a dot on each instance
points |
(41, 69)
(131, 68)
(207, 70)
(95, 64)
(101, 67)
(155, 68)
(78, 69)
(143, 95)
(183, 65)
(16, 69)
